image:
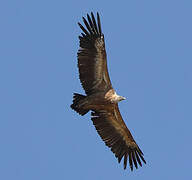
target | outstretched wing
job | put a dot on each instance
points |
(114, 132)
(92, 60)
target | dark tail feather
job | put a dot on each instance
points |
(77, 102)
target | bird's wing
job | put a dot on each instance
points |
(92, 60)
(114, 132)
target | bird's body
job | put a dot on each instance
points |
(100, 97)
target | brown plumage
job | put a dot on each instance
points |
(100, 97)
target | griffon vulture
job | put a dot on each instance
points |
(101, 99)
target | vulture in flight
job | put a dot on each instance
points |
(101, 99)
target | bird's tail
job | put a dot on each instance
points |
(78, 103)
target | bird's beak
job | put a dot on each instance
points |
(123, 98)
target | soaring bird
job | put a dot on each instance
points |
(101, 99)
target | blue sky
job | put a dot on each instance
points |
(149, 48)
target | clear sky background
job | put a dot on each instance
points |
(149, 48)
